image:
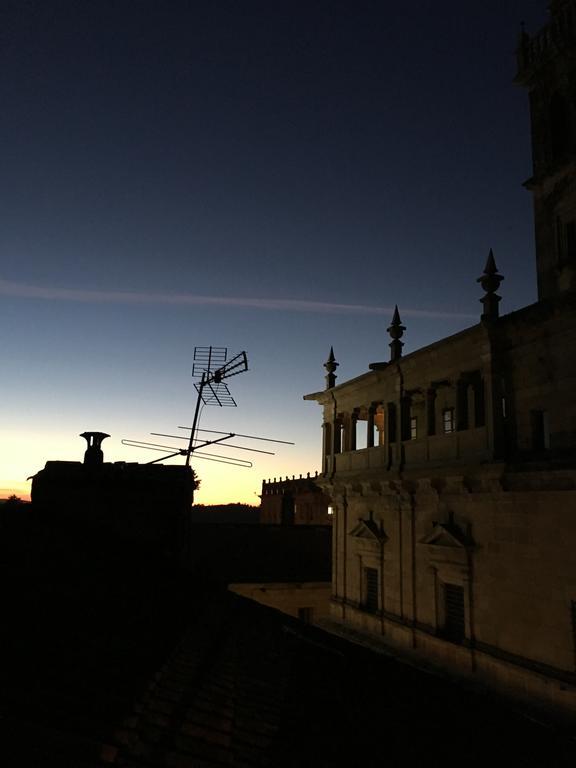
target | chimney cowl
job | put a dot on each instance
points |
(94, 456)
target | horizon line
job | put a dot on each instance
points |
(83, 295)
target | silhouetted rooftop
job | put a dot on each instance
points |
(111, 657)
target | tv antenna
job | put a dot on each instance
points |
(212, 367)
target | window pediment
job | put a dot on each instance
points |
(448, 549)
(368, 531)
(447, 535)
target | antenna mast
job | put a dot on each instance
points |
(211, 366)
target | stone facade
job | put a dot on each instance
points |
(452, 470)
(294, 501)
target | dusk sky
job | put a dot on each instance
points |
(267, 176)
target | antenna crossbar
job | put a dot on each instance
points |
(209, 442)
(237, 434)
(183, 452)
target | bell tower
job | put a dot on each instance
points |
(547, 68)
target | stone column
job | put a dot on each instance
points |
(431, 411)
(337, 436)
(462, 403)
(370, 427)
(327, 447)
(353, 423)
(405, 405)
(479, 406)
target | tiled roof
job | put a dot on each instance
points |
(255, 688)
(111, 659)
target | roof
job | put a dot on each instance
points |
(113, 657)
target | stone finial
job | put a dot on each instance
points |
(396, 331)
(331, 366)
(490, 281)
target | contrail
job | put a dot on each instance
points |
(26, 291)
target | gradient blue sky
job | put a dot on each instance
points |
(267, 176)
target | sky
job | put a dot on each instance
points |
(262, 176)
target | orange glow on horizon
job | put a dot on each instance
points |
(22, 490)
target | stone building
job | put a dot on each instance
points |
(452, 470)
(294, 501)
(295, 534)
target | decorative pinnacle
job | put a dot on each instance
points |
(396, 331)
(331, 366)
(490, 281)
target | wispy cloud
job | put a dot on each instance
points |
(26, 291)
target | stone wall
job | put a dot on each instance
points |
(294, 501)
(509, 553)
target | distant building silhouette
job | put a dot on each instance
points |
(294, 501)
(452, 470)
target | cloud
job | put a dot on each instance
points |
(25, 291)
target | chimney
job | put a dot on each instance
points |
(94, 456)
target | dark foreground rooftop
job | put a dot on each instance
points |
(110, 659)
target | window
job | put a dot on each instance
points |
(371, 589)
(565, 240)
(448, 420)
(454, 629)
(361, 430)
(413, 428)
(379, 426)
(287, 510)
(330, 510)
